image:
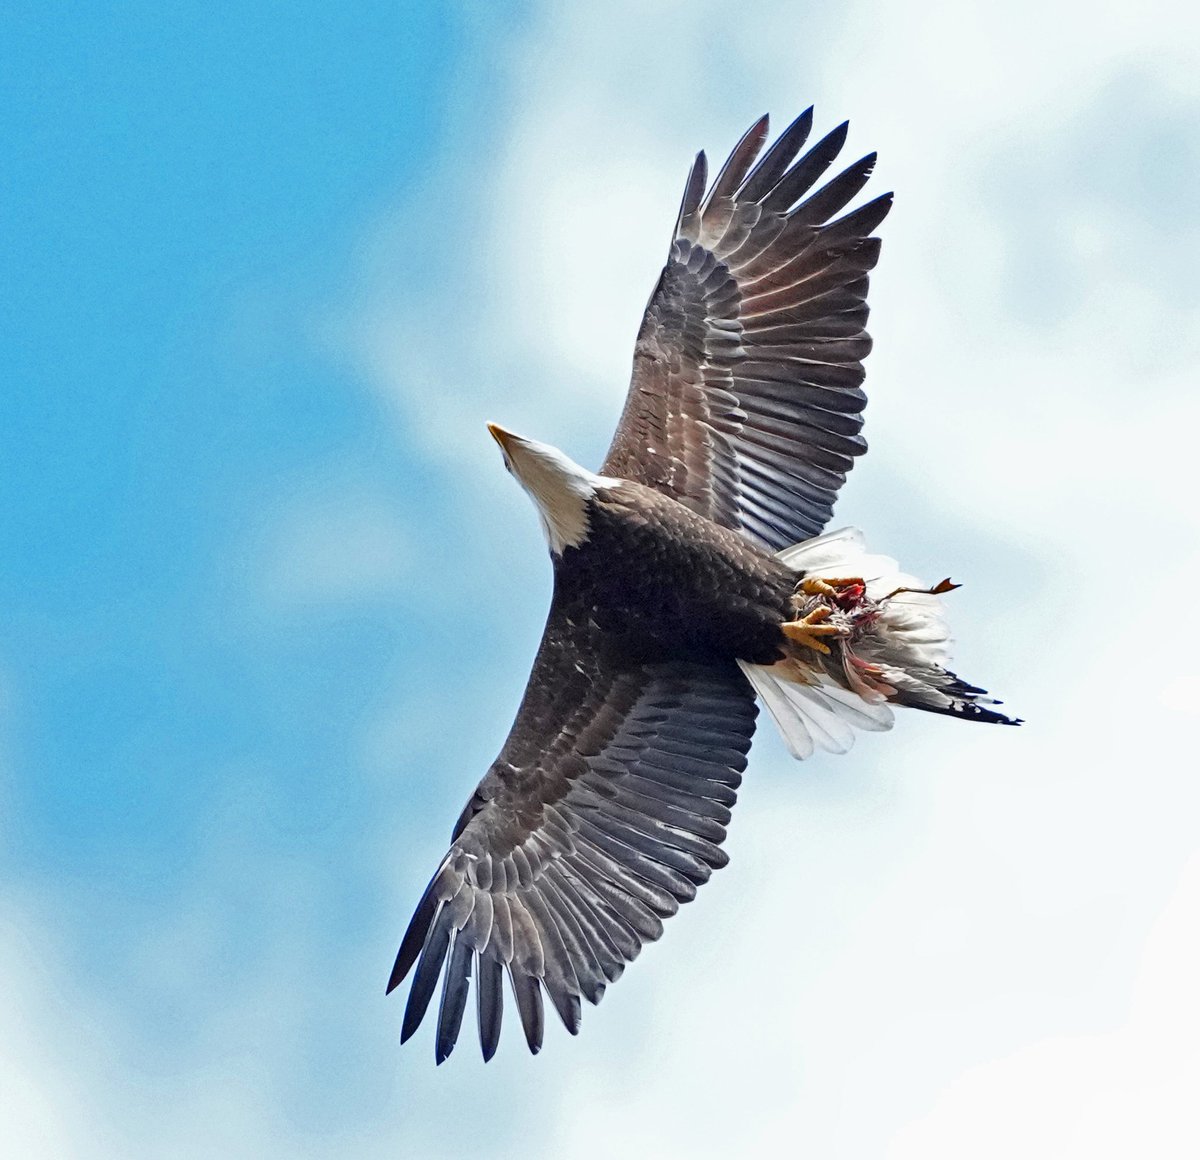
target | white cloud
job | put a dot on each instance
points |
(1114, 1093)
(43, 1108)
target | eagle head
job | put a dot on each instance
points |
(560, 489)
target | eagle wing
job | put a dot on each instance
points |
(604, 811)
(746, 401)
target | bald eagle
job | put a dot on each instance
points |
(690, 573)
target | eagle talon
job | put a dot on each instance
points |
(809, 629)
(828, 586)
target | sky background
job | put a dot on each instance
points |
(268, 598)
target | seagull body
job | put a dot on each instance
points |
(689, 575)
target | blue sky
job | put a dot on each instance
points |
(269, 598)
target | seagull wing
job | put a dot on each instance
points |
(746, 400)
(604, 811)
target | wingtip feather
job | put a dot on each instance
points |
(527, 992)
(414, 938)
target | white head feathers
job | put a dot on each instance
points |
(559, 487)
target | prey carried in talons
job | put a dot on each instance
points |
(808, 629)
(939, 589)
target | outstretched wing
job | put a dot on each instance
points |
(604, 811)
(746, 401)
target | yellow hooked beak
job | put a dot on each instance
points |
(500, 435)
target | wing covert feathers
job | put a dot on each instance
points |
(746, 401)
(603, 814)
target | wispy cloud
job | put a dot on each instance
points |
(1116, 1091)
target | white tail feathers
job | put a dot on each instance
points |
(821, 715)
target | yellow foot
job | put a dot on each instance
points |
(808, 630)
(939, 589)
(828, 586)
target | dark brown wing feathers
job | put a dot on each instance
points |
(745, 402)
(603, 813)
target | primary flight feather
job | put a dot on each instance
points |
(689, 575)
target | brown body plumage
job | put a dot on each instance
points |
(663, 581)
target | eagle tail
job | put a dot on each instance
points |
(813, 712)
